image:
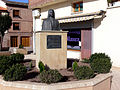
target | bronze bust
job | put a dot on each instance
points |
(51, 23)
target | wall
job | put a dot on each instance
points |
(64, 9)
(106, 35)
(25, 21)
(74, 54)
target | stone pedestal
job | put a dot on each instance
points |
(51, 48)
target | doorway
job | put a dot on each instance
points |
(78, 43)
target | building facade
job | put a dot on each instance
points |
(88, 22)
(20, 32)
(3, 7)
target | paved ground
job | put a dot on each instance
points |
(116, 74)
(115, 79)
(30, 56)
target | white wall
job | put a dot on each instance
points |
(2, 4)
(73, 54)
(94, 5)
(106, 36)
(65, 9)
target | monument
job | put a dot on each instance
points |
(51, 43)
(51, 23)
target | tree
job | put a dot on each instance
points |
(111, 1)
(5, 24)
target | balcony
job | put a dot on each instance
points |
(42, 3)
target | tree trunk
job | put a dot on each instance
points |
(1, 40)
(0, 44)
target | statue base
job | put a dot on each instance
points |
(51, 49)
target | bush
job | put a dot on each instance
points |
(41, 66)
(16, 72)
(84, 72)
(74, 66)
(21, 46)
(86, 60)
(5, 63)
(4, 57)
(98, 55)
(30, 65)
(101, 65)
(17, 58)
(50, 76)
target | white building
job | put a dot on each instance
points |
(92, 25)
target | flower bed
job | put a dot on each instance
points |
(93, 75)
(100, 82)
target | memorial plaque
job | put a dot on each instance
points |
(53, 41)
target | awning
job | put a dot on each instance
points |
(82, 17)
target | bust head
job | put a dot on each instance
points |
(51, 23)
(51, 13)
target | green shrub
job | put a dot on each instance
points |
(16, 72)
(41, 66)
(30, 65)
(84, 72)
(109, 1)
(98, 55)
(74, 65)
(4, 57)
(5, 63)
(17, 58)
(21, 46)
(86, 60)
(50, 76)
(101, 65)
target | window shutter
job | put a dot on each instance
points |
(85, 43)
(25, 41)
(14, 41)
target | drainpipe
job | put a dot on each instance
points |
(34, 28)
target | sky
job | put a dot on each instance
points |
(25, 1)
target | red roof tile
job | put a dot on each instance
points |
(2, 8)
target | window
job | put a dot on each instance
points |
(25, 41)
(16, 26)
(14, 41)
(74, 39)
(78, 7)
(16, 13)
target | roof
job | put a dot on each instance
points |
(42, 3)
(16, 3)
(82, 17)
(2, 8)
